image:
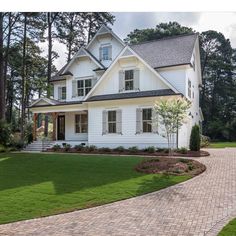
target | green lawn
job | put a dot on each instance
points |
(222, 144)
(34, 185)
(229, 229)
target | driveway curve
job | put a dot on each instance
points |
(200, 206)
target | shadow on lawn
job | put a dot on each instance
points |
(162, 181)
(68, 173)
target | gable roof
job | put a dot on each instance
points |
(63, 71)
(104, 29)
(143, 61)
(170, 51)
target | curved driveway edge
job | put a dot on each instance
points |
(200, 206)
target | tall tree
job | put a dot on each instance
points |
(218, 96)
(51, 18)
(94, 20)
(71, 32)
(33, 27)
(2, 86)
(160, 31)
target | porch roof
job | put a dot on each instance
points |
(139, 94)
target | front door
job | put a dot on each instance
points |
(61, 127)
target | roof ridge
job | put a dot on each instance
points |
(164, 38)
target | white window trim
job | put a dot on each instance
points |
(115, 122)
(105, 46)
(84, 78)
(129, 90)
(83, 113)
(143, 108)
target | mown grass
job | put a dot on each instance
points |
(229, 229)
(34, 185)
(222, 144)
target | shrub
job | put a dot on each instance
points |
(17, 144)
(205, 141)
(79, 147)
(119, 149)
(67, 147)
(133, 149)
(165, 150)
(182, 150)
(104, 149)
(5, 133)
(92, 148)
(160, 149)
(150, 149)
(56, 147)
(2, 149)
(195, 138)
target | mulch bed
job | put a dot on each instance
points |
(173, 166)
(176, 154)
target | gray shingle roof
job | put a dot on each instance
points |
(149, 93)
(166, 52)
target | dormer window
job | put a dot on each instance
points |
(105, 52)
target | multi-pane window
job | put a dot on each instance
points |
(105, 53)
(111, 121)
(189, 88)
(129, 79)
(63, 93)
(147, 120)
(84, 86)
(81, 123)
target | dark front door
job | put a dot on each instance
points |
(61, 128)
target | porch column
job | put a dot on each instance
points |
(54, 122)
(35, 126)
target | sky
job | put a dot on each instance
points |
(224, 22)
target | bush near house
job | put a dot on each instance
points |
(195, 138)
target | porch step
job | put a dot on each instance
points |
(38, 146)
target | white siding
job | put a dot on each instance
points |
(176, 76)
(81, 68)
(129, 136)
(70, 128)
(56, 85)
(148, 80)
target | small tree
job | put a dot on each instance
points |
(195, 139)
(171, 113)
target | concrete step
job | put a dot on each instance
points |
(38, 146)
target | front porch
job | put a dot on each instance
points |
(60, 122)
(62, 126)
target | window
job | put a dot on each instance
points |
(105, 53)
(63, 93)
(81, 123)
(84, 86)
(111, 121)
(147, 120)
(129, 80)
(189, 88)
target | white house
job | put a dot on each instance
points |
(105, 94)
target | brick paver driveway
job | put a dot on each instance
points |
(200, 206)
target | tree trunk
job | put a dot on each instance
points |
(23, 79)
(49, 17)
(2, 84)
